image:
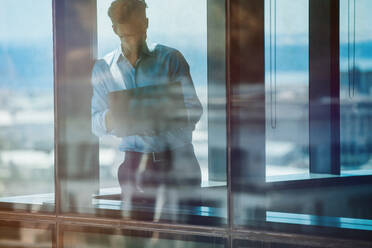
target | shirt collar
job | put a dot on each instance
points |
(144, 51)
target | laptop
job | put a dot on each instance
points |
(150, 109)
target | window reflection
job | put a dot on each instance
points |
(94, 237)
(185, 37)
(14, 234)
(26, 103)
(174, 50)
(355, 89)
(318, 199)
(259, 244)
(287, 82)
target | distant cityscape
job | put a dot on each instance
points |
(27, 129)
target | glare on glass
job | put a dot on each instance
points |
(26, 104)
(150, 115)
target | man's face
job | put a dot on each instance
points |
(132, 33)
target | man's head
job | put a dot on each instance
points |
(129, 22)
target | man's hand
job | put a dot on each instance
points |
(109, 121)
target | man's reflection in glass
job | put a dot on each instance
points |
(154, 162)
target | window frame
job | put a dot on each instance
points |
(241, 70)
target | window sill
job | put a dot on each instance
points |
(310, 176)
(307, 219)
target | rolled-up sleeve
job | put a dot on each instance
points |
(99, 105)
(180, 72)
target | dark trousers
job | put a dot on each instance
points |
(144, 178)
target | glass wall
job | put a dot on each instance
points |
(16, 234)
(273, 244)
(98, 237)
(287, 83)
(150, 119)
(174, 30)
(355, 88)
(334, 127)
(26, 104)
(200, 124)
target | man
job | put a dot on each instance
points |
(151, 160)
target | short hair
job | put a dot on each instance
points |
(120, 11)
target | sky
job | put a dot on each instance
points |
(25, 22)
(177, 23)
(169, 18)
(33, 19)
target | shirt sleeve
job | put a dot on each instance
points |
(180, 72)
(99, 105)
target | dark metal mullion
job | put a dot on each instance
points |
(56, 111)
(56, 75)
(335, 87)
(58, 40)
(72, 80)
(58, 34)
(324, 87)
(246, 81)
(71, 76)
(230, 205)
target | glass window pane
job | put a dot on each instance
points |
(157, 111)
(26, 104)
(271, 244)
(15, 234)
(94, 237)
(356, 89)
(287, 84)
(320, 203)
(171, 30)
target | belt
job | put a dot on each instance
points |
(159, 156)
